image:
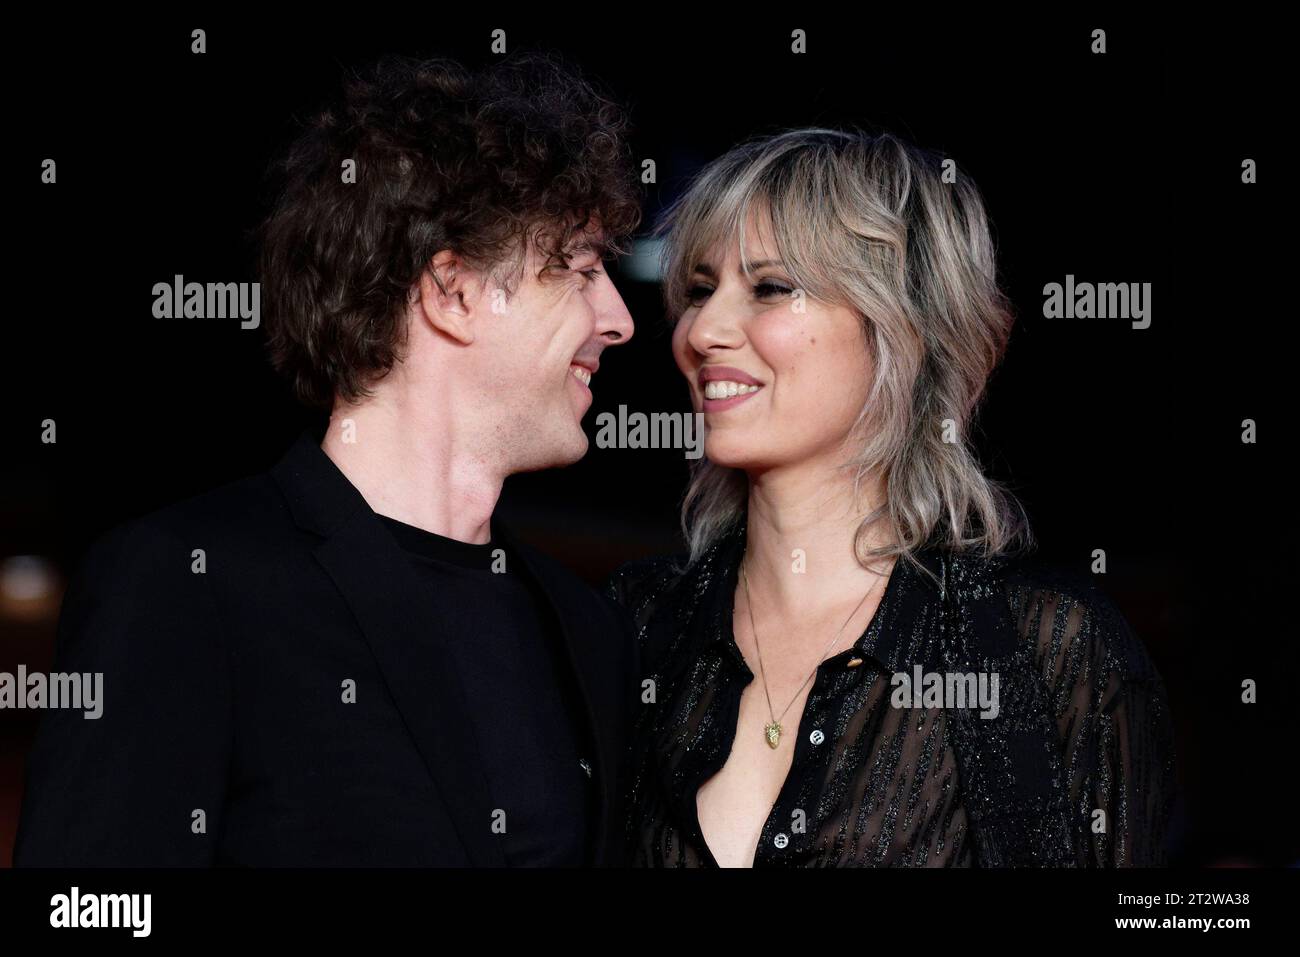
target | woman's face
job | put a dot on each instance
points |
(780, 378)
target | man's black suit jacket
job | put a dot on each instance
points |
(223, 693)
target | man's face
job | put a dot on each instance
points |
(543, 347)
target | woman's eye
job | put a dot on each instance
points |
(591, 273)
(768, 289)
(697, 294)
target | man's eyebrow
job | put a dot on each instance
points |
(598, 246)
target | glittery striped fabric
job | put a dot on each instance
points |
(1076, 769)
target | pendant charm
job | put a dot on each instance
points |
(773, 733)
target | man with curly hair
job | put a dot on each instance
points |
(347, 660)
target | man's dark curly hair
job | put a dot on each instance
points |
(479, 162)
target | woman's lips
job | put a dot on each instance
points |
(725, 374)
(723, 387)
(721, 405)
(722, 402)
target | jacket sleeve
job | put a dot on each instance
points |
(1112, 716)
(143, 783)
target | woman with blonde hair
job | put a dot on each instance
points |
(857, 664)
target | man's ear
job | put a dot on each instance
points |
(450, 292)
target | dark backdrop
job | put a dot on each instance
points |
(1116, 168)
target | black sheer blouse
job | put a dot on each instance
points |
(1076, 769)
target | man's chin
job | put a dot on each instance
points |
(575, 451)
(569, 451)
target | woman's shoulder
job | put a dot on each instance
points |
(645, 582)
(1071, 614)
(665, 593)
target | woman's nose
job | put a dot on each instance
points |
(715, 325)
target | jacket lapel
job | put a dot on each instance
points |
(401, 624)
(585, 661)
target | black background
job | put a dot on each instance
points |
(1116, 168)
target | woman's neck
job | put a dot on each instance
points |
(800, 537)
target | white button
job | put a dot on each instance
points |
(780, 840)
(817, 737)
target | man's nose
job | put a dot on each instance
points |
(613, 322)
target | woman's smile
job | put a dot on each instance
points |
(724, 387)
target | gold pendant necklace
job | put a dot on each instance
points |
(772, 730)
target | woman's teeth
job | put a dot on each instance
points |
(581, 374)
(721, 389)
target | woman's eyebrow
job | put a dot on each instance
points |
(704, 269)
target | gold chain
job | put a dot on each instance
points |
(772, 732)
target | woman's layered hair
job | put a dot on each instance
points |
(899, 235)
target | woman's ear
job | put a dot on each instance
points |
(447, 299)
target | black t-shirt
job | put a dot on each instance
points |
(522, 695)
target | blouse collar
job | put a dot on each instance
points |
(904, 632)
